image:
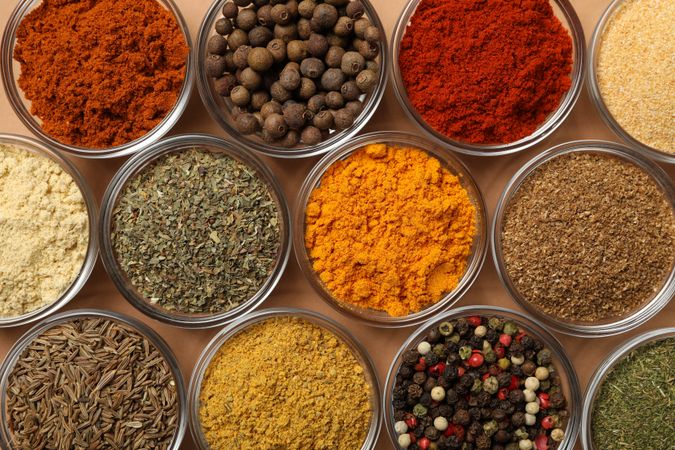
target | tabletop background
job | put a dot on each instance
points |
(491, 173)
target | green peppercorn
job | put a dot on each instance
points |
(246, 19)
(265, 16)
(260, 36)
(360, 27)
(276, 126)
(491, 385)
(224, 85)
(279, 93)
(510, 328)
(445, 328)
(350, 91)
(269, 108)
(250, 79)
(477, 386)
(317, 103)
(352, 63)
(296, 50)
(246, 123)
(214, 66)
(306, 8)
(334, 56)
(311, 135)
(237, 38)
(312, 67)
(230, 10)
(307, 89)
(287, 33)
(465, 352)
(317, 45)
(495, 323)
(325, 16)
(490, 356)
(217, 45)
(544, 357)
(343, 119)
(420, 411)
(334, 100)
(260, 59)
(490, 428)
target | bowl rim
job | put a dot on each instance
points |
(610, 327)
(88, 313)
(241, 324)
(336, 140)
(532, 325)
(140, 162)
(593, 88)
(452, 163)
(15, 95)
(604, 368)
(550, 125)
(38, 148)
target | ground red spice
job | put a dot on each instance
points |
(486, 72)
(100, 73)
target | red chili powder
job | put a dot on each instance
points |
(100, 73)
(486, 71)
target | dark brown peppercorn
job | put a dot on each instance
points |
(334, 100)
(307, 89)
(461, 417)
(250, 79)
(332, 79)
(246, 19)
(323, 120)
(230, 10)
(352, 63)
(217, 45)
(350, 91)
(215, 66)
(306, 8)
(366, 80)
(415, 391)
(280, 15)
(516, 396)
(311, 135)
(317, 45)
(312, 67)
(518, 418)
(224, 85)
(289, 79)
(260, 36)
(294, 115)
(419, 378)
(528, 368)
(246, 123)
(483, 442)
(237, 38)
(279, 93)
(265, 16)
(325, 16)
(410, 357)
(334, 56)
(432, 433)
(296, 50)
(260, 59)
(317, 103)
(269, 108)
(276, 126)
(286, 33)
(277, 48)
(355, 10)
(429, 384)
(344, 27)
(240, 58)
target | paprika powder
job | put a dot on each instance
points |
(487, 72)
(100, 73)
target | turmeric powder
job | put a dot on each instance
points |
(390, 229)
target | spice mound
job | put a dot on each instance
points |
(479, 382)
(196, 232)
(285, 383)
(100, 73)
(636, 70)
(635, 405)
(44, 231)
(91, 383)
(588, 237)
(390, 229)
(487, 72)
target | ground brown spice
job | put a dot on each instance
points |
(588, 237)
(100, 73)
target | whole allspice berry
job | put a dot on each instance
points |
(360, 27)
(269, 108)
(240, 57)
(355, 10)
(343, 27)
(290, 78)
(325, 16)
(250, 79)
(246, 123)
(260, 59)
(372, 35)
(280, 93)
(343, 119)
(224, 26)
(242, 3)
(355, 107)
(307, 88)
(296, 50)
(350, 91)
(277, 48)
(334, 100)
(334, 56)
(260, 36)
(264, 14)
(366, 80)
(286, 32)
(290, 140)
(292, 7)
(332, 79)
(312, 67)
(306, 8)
(237, 38)
(258, 99)
(215, 66)
(317, 103)
(304, 29)
(311, 135)
(240, 96)
(217, 45)
(317, 45)
(280, 15)
(294, 115)
(276, 126)
(224, 85)
(246, 19)
(366, 49)
(352, 63)
(323, 120)
(230, 10)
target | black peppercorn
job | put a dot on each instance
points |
(425, 399)
(419, 378)
(516, 396)
(311, 135)
(415, 391)
(411, 357)
(224, 85)
(429, 384)
(502, 436)
(432, 433)
(214, 66)
(276, 126)
(355, 10)
(461, 417)
(230, 10)
(518, 418)
(246, 123)
(483, 442)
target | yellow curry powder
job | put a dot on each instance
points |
(390, 229)
(285, 383)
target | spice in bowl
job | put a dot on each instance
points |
(44, 231)
(588, 237)
(285, 383)
(487, 72)
(635, 69)
(390, 229)
(100, 73)
(294, 72)
(196, 232)
(91, 383)
(479, 382)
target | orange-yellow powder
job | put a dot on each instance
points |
(390, 229)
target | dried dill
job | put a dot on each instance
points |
(197, 232)
(635, 406)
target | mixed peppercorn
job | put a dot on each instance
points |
(479, 383)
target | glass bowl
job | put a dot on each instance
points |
(603, 370)
(605, 328)
(147, 332)
(596, 95)
(570, 382)
(564, 10)
(220, 108)
(245, 322)
(10, 75)
(135, 166)
(450, 162)
(41, 149)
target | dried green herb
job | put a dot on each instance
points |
(635, 406)
(197, 232)
(91, 384)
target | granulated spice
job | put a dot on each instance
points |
(44, 231)
(588, 237)
(636, 70)
(485, 72)
(100, 73)
(196, 232)
(285, 383)
(91, 383)
(635, 406)
(390, 229)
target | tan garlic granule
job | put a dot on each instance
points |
(636, 70)
(285, 383)
(44, 231)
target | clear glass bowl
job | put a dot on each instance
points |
(605, 328)
(220, 108)
(603, 370)
(561, 361)
(451, 163)
(135, 166)
(242, 324)
(10, 76)
(564, 10)
(65, 317)
(596, 95)
(41, 149)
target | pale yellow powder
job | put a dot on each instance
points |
(44, 231)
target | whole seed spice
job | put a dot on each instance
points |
(635, 405)
(197, 232)
(636, 70)
(44, 231)
(588, 237)
(91, 383)
(479, 383)
(285, 383)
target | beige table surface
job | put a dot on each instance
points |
(491, 175)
